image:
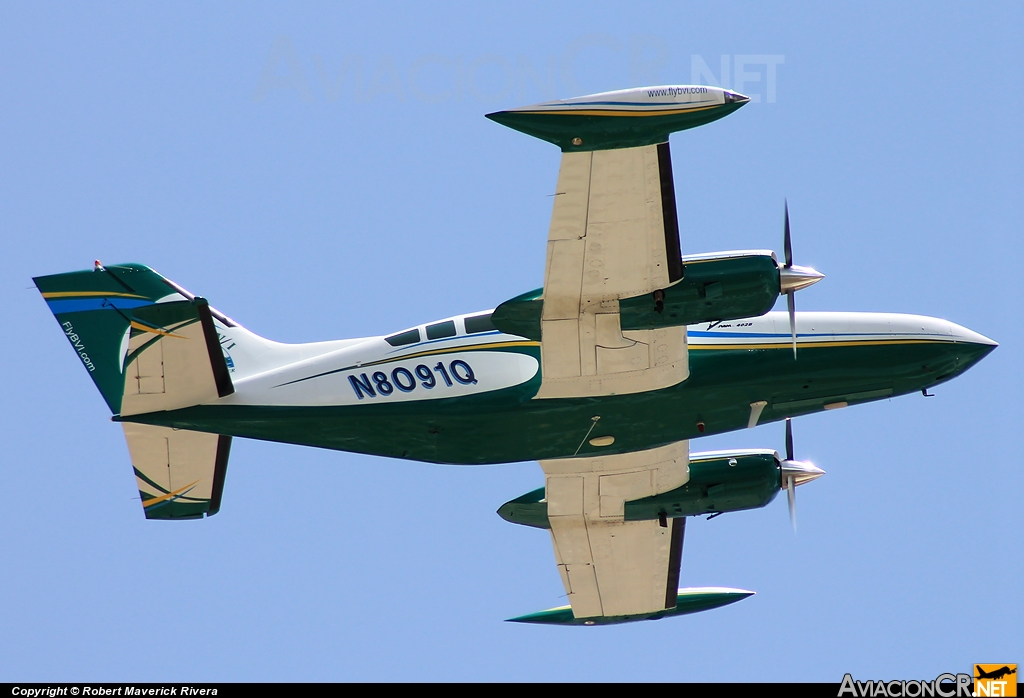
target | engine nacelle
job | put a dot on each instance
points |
(720, 481)
(717, 286)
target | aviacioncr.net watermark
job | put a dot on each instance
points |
(488, 78)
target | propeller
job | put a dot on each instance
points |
(792, 278)
(795, 472)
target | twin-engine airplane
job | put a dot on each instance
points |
(604, 375)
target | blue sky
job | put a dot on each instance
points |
(326, 171)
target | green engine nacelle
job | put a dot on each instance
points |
(720, 481)
(719, 286)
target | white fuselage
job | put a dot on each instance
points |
(370, 370)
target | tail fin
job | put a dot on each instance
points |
(150, 345)
(147, 343)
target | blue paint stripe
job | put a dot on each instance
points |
(787, 335)
(78, 305)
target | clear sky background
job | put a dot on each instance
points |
(325, 171)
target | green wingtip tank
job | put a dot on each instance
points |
(622, 119)
(691, 600)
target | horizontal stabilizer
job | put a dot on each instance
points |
(691, 600)
(180, 473)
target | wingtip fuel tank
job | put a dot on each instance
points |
(623, 118)
(690, 600)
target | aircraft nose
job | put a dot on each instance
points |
(962, 334)
(735, 98)
(956, 350)
(973, 347)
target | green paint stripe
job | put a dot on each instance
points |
(146, 495)
(133, 355)
(142, 476)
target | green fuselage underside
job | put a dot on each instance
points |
(508, 425)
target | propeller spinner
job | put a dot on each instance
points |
(792, 278)
(795, 472)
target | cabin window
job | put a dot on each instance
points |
(479, 323)
(440, 330)
(402, 338)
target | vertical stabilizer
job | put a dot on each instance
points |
(147, 344)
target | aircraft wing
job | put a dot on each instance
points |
(610, 566)
(614, 234)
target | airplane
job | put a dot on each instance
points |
(604, 375)
(995, 674)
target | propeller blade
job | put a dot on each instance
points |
(787, 241)
(787, 247)
(791, 497)
(795, 472)
(791, 479)
(791, 304)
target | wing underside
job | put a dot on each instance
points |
(610, 566)
(614, 234)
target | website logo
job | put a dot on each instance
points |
(995, 680)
